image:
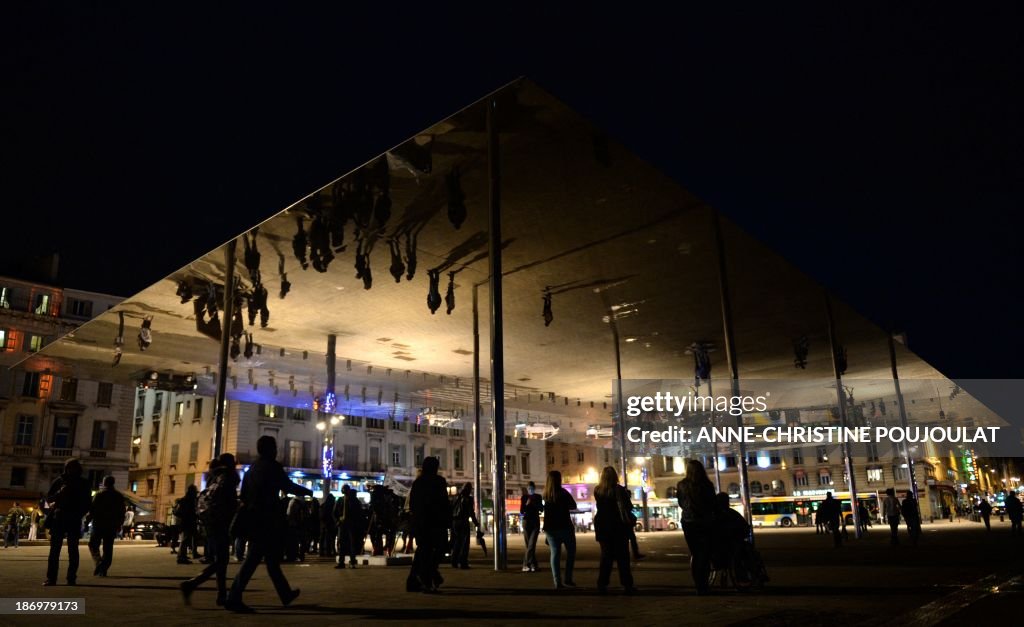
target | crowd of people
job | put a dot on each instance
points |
(254, 521)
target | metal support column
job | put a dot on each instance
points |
(497, 352)
(841, 399)
(228, 308)
(714, 424)
(477, 450)
(911, 476)
(730, 354)
(619, 414)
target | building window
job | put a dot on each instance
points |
(3, 340)
(19, 477)
(354, 421)
(800, 479)
(824, 477)
(150, 486)
(41, 305)
(874, 475)
(30, 385)
(439, 453)
(822, 455)
(140, 404)
(580, 456)
(197, 411)
(64, 431)
(756, 489)
(25, 434)
(396, 456)
(33, 343)
(268, 411)
(415, 428)
(104, 435)
(179, 411)
(418, 455)
(193, 452)
(456, 433)
(5, 297)
(778, 487)
(154, 435)
(175, 449)
(433, 430)
(565, 458)
(374, 423)
(350, 457)
(172, 486)
(10, 342)
(457, 456)
(525, 463)
(396, 425)
(80, 308)
(158, 403)
(104, 394)
(734, 489)
(69, 389)
(872, 452)
(295, 451)
(298, 414)
(798, 456)
(899, 473)
(730, 461)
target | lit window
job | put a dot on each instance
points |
(874, 475)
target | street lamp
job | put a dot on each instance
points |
(327, 455)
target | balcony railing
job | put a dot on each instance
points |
(21, 450)
(60, 452)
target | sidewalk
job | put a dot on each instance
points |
(812, 584)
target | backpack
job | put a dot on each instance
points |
(212, 507)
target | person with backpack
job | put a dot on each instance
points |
(217, 506)
(185, 513)
(69, 498)
(463, 511)
(108, 507)
(696, 496)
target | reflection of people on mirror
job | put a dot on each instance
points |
(145, 333)
(434, 294)
(449, 297)
(119, 340)
(299, 243)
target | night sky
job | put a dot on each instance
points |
(877, 149)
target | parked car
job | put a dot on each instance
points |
(150, 530)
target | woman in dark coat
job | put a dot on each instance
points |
(697, 516)
(612, 523)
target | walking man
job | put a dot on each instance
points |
(107, 511)
(891, 511)
(185, 512)
(431, 520)
(912, 516)
(69, 497)
(263, 483)
(530, 507)
(985, 509)
(462, 514)
(831, 512)
(1015, 512)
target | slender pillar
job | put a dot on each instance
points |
(912, 478)
(228, 308)
(497, 348)
(718, 471)
(478, 462)
(841, 399)
(730, 354)
(620, 416)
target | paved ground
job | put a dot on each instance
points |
(812, 584)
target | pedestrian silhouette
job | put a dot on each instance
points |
(912, 516)
(612, 524)
(696, 497)
(69, 499)
(108, 507)
(266, 523)
(891, 511)
(462, 514)
(530, 507)
(431, 520)
(985, 509)
(217, 506)
(559, 529)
